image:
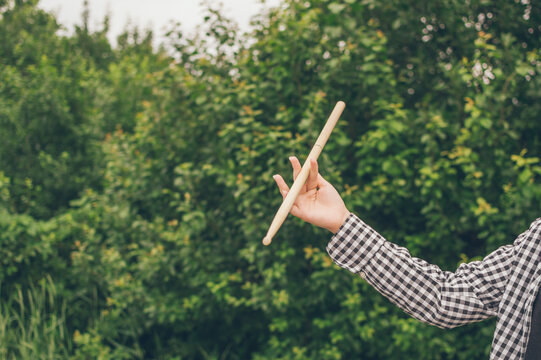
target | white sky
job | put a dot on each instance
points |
(155, 14)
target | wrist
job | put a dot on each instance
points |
(343, 219)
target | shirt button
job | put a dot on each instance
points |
(362, 274)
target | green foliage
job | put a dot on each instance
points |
(140, 179)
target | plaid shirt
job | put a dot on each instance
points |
(503, 284)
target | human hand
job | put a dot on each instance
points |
(318, 202)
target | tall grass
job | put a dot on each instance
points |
(32, 323)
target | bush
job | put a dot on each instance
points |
(148, 202)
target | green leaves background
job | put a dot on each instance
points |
(136, 181)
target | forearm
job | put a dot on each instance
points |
(422, 290)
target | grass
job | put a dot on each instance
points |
(32, 324)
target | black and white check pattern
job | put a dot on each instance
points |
(503, 284)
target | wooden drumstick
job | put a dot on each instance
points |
(299, 182)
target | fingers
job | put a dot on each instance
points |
(284, 189)
(296, 170)
(296, 166)
(312, 181)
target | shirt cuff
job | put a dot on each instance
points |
(354, 244)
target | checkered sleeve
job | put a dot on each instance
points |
(441, 298)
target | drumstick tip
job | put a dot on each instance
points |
(266, 240)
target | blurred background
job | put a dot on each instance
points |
(136, 165)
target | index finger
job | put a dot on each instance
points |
(296, 170)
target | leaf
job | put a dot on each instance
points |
(336, 8)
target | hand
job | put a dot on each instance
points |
(318, 202)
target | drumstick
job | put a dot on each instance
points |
(291, 196)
